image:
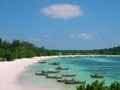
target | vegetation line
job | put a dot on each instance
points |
(100, 86)
(22, 49)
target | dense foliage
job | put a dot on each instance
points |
(18, 49)
(22, 49)
(109, 51)
(100, 86)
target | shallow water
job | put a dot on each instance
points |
(82, 66)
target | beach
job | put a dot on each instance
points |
(9, 73)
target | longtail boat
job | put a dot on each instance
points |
(51, 71)
(60, 68)
(40, 73)
(54, 63)
(42, 62)
(75, 82)
(97, 75)
(56, 77)
(68, 75)
(63, 80)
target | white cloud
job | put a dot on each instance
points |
(64, 11)
(81, 36)
(85, 36)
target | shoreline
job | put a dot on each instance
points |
(10, 71)
(89, 56)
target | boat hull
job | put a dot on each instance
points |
(97, 75)
(55, 77)
(62, 68)
(68, 75)
(40, 73)
(75, 82)
(56, 71)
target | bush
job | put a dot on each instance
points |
(96, 85)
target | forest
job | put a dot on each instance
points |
(23, 49)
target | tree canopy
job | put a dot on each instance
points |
(96, 85)
(22, 49)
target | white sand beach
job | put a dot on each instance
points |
(9, 72)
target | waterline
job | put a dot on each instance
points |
(82, 66)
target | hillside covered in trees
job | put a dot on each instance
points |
(22, 49)
(18, 49)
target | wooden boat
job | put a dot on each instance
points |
(63, 80)
(51, 71)
(60, 80)
(54, 63)
(42, 62)
(40, 73)
(56, 77)
(68, 75)
(97, 75)
(60, 68)
(75, 82)
(79, 82)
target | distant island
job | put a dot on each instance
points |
(23, 49)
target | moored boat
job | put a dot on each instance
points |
(56, 77)
(54, 63)
(60, 68)
(42, 62)
(40, 73)
(63, 80)
(75, 82)
(68, 75)
(51, 71)
(97, 75)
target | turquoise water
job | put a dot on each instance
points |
(82, 66)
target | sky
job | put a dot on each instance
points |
(62, 24)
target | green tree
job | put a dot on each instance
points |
(81, 87)
(0, 43)
(16, 43)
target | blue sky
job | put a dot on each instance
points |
(62, 24)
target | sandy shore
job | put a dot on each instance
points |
(9, 72)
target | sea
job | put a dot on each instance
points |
(82, 66)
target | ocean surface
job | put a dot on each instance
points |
(82, 66)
